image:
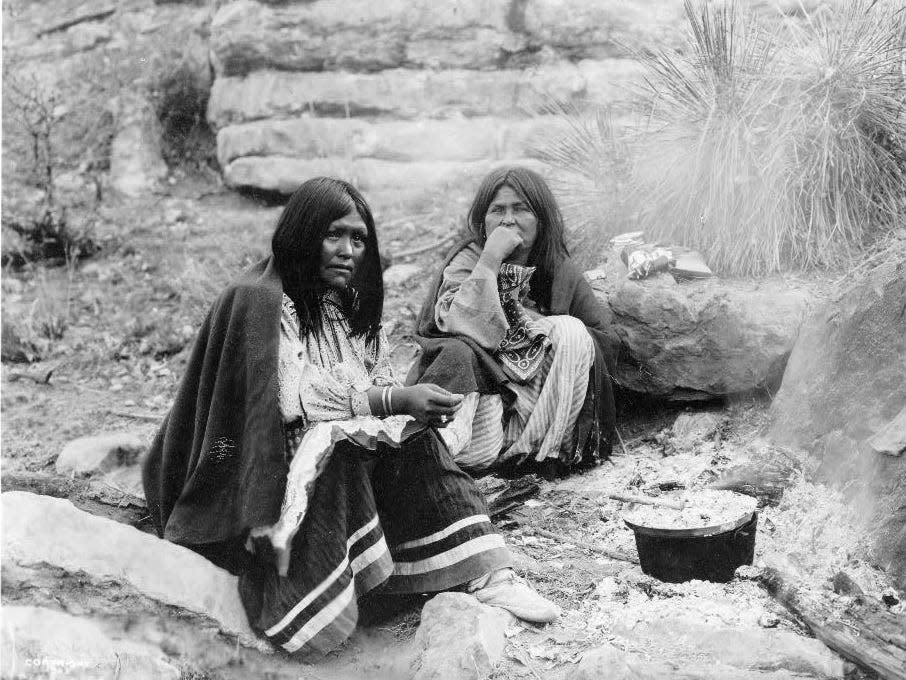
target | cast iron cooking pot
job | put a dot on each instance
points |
(709, 553)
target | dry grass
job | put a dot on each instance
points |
(51, 311)
(768, 151)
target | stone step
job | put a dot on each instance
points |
(412, 93)
(408, 181)
(464, 140)
(362, 35)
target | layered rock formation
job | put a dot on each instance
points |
(409, 95)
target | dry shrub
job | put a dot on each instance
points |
(47, 238)
(766, 150)
(181, 96)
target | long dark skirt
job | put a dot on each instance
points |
(416, 500)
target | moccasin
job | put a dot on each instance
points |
(511, 592)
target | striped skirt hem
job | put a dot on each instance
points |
(410, 521)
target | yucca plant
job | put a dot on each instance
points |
(846, 108)
(592, 193)
(767, 150)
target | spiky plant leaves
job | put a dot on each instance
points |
(768, 150)
(592, 191)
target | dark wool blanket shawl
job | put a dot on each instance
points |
(217, 466)
(459, 364)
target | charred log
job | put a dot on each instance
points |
(862, 630)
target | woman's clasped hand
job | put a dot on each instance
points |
(428, 403)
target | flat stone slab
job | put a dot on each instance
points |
(45, 643)
(458, 139)
(724, 651)
(49, 536)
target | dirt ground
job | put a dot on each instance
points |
(128, 316)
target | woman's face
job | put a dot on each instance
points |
(508, 209)
(343, 250)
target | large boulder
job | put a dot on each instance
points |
(396, 129)
(44, 643)
(700, 339)
(55, 553)
(334, 82)
(848, 369)
(842, 399)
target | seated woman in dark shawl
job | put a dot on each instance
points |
(293, 457)
(514, 326)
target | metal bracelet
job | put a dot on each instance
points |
(385, 400)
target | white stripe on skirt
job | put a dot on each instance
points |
(331, 579)
(450, 557)
(443, 533)
(320, 620)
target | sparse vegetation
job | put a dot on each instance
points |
(50, 313)
(768, 150)
(44, 232)
(37, 110)
(47, 238)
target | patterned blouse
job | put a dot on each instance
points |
(318, 372)
(317, 375)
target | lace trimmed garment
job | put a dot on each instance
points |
(317, 373)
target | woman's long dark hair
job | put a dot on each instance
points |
(549, 248)
(296, 247)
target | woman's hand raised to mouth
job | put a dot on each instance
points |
(501, 243)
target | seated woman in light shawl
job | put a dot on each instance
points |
(513, 325)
